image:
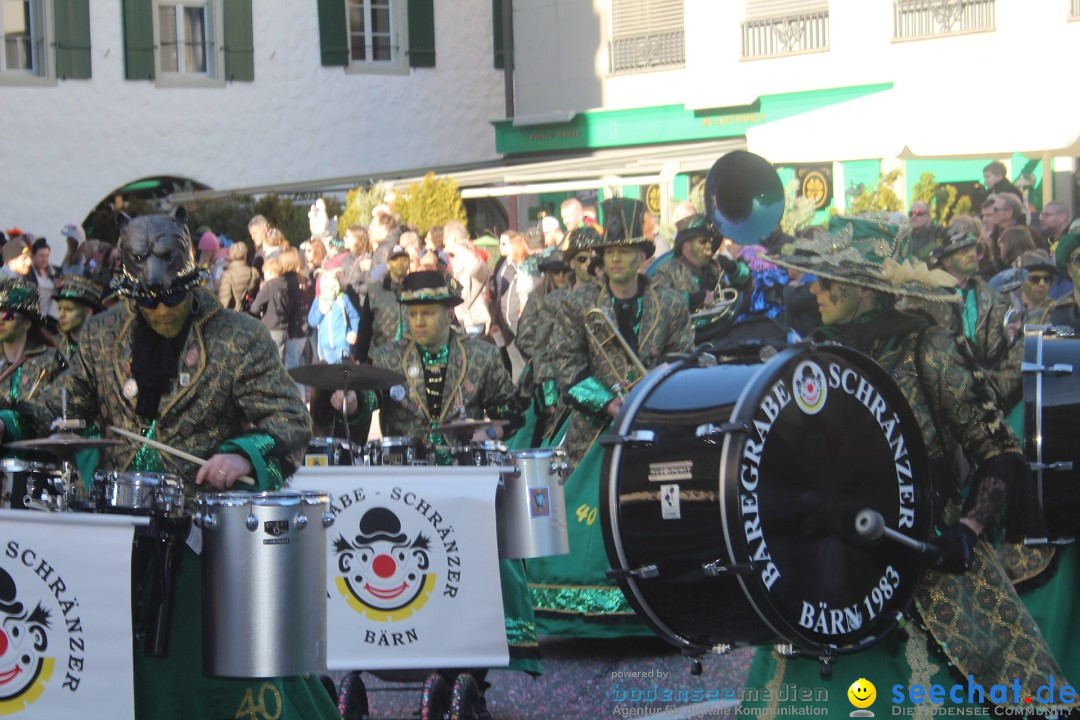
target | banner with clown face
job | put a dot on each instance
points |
(65, 614)
(412, 567)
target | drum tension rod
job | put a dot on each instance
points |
(637, 438)
(716, 568)
(1067, 465)
(709, 432)
(642, 573)
(1059, 369)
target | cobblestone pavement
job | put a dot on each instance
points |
(586, 679)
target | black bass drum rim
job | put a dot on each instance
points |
(609, 506)
(739, 547)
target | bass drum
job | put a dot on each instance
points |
(1051, 426)
(730, 494)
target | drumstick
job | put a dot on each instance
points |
(171, 450)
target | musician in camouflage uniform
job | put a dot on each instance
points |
(450, 376)
(694, 270)
(967, 608)
(572, 594)
(77, 300)
(27, 363)
(171, 364)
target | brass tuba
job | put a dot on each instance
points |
(603, 332)
(744, 198)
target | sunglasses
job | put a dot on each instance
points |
(582, 259)
(917, 213)
(8, 315)
(825, 283)
(1039, 279)
(170, 300)
(1075, 260)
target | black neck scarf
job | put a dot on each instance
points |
(155, 360)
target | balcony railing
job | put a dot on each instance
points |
(648, 52)
(785, 35)
(929, 18)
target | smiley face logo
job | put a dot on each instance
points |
(862, 694)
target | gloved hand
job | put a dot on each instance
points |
(956, 548)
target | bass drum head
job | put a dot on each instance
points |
(744, 497)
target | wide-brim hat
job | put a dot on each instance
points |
(695, 226)
(865, 254)
(624, 226)
(427, 286)
(583, 238)
(81, 289)
(19, 296)
(954, 240)
(1065, 247)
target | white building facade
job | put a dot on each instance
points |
(233, 93)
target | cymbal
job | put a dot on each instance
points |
(467, 427)
(342, 377)
(62, 443)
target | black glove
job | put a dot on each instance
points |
(956, 548)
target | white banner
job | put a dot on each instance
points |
(412, 567)
(65, 615)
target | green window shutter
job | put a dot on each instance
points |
(239, 43)
(72, 23)
(333, 32)
(138, 39)
(421, 33)
(497, 33)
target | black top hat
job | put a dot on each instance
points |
(695, 226)
(624, 224)
(427, 286)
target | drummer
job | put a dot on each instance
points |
(28, 364)
(78, 299)
(450, 376)
(968, 609)
(169, 363)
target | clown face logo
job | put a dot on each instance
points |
(810, 387)
(24, 667)
(384, 571)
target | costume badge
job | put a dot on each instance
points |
(185, 379)
(131, 389)
(413, 372)
(191, 358)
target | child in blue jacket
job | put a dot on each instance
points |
(337, 320)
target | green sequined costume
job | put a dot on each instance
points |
(30, 380)
(231, 395)
(972, 621)
(571, 593)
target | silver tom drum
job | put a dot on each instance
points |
(481, 454)
(323, 451)
(26, 479)
(264, 583)
(138, 493)
(530, 510)
(397, 450)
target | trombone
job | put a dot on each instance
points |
(602, 330)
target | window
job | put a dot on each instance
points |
(188, 42)
(377, 35)
(182, 38)
(23, 26)
(647, 35)
(784, 27)
(914, 19)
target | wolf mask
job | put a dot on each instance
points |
(157, 256)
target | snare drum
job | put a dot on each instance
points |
(138, 493)
(1051, 376)
(323, 451)
(23, 478)
(730, 494)
(397, 450)
(530, 508)
(481, 454)
(264, 583)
